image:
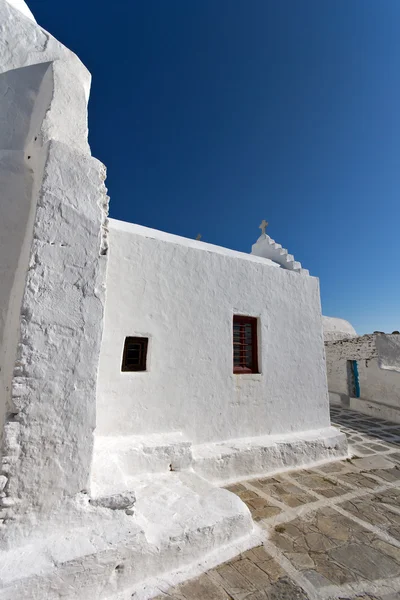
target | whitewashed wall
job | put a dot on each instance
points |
(379, 384)
(182, 294)
(21, 91)
(378, 359)
(22, 7)
(52, 268)
(338, 353)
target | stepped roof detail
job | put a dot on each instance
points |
(266, 247)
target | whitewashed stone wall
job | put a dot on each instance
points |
(183, 294)
(52, 267)
(188, 409)
(337, 354)
(378, 360)
(22, 7)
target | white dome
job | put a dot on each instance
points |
(337, 329)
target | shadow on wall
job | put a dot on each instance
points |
(25, 95)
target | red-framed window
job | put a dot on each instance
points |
(245, 355)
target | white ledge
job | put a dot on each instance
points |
(155, 234)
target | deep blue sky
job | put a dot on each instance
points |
(211, 115)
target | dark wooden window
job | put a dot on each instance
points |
(245, 359)
(135, 354)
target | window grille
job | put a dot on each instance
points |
(245, 359)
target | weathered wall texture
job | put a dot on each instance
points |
(378, 360)
(388, 348)
(52, 266)
(21, 91)
(22, 7)
(337, 354)
(183, 294)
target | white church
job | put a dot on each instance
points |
(139, 371)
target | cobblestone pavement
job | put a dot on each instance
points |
(332, 532)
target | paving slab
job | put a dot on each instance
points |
(322, 485)
(377, 461)
(201, 588)
(328, 529)
(359, 480)
(284, 491)
(259, 507)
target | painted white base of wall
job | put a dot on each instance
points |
(372, 408)
(179, 521)
(119, 460)
(245, 458)
(153, 586)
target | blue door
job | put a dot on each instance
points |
(355, 380)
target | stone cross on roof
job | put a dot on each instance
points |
(263, 226)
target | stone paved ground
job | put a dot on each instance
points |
(332, 532)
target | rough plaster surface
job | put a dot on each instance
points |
(22, 7)
(119, 460)
(388, 348)
(116, 459)
(118, 501)
(98, 553)
(52, 228)
(337, 329)
(357, 348)
(183, 295)
(378, 359)
(227, 462)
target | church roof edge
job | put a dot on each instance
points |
(125, 226)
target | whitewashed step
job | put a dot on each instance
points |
(180, 525)
(115, 459)
(233, 460)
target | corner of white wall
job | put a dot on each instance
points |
(54, 302)
(23, 8)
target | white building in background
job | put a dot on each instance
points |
(138, 370)
(337, 329)
(363, 371)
